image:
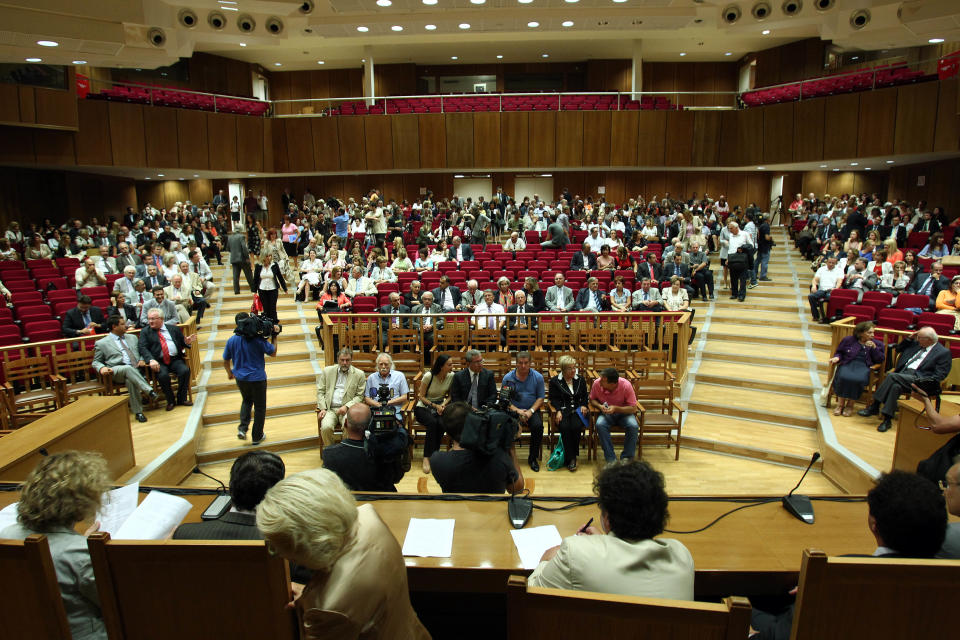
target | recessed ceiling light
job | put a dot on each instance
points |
(823, 166)
(384, 3)
(760, 168)
(363, 29)
(866, 168)
(51, 43)
(477, 1)
(230, 9)
(454, 58)
(396, 27)
(683, 53)
(931, 40)
(458, 175)
(243, 44)
(728, 53)
(159, 175)
(765, 32)
(34, 59)
(430, 2)
(619, 1)
(252, 175)
(545, 55)
(572, 1)
(533, 24)
(320, 62)
(499, 56)
(147, 178)
(853, 164)
(79, 62)
(566, 23)
(278, 64)
(524, 1)
(464, 25)
(430, 27)
(890, 161)
(196, 175)
(855, 58)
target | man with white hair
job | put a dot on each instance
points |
(179, 294)
(470, 298)
(359, 284)
(126, 284)
(105, 262)
(395, 382)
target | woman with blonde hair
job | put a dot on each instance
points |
(401, 264)
(63, 491)
(893, 253)
(359, 586)
(504, 296)
(568, 394)
(948, 301)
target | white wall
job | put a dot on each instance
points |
(526, 187)
(473, 188)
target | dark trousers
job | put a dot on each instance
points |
(816, 302)
(180, 369)
(254, 394)
(269, 301)
(570, 428)
(201, 306)
(893, 385)
(703, 282)
(535, 426)
(429, 419)
(738, 283)
(237, 268)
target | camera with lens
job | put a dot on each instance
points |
(254, 326)
(492, 427)
(383, 418)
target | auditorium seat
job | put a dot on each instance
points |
(942, 324)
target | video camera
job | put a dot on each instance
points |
(384, 418)
(491, 427)
(256, 326)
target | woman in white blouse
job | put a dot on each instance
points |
(381, 272)
(170, 266)
(333, 260)
(311, 270)
(357, 225)
(439, 254)
(675, 298)
(401, 263)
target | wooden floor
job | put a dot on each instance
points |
(750, 428)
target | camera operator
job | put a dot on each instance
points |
(463, 471)
(244, 351)
(386, 389)
(528, 397)
(349, 458)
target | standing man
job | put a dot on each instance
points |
(395, 381)
(239, 259)
(340, 387)
(117, 353)
(616, 401)
(474, 384)
(480, 227)
(243, 361)
(527, 400)
(162, 346)
(765, 244)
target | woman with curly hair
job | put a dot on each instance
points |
(62, 491)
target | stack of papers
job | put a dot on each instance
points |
(8, 516)
(429, 538)
(531, 543)
(156, 517)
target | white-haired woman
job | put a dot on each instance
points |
(359, 585)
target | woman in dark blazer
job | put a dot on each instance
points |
(854, 357)
(568, 392)
(267, 281)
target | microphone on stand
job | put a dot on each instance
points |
(800, 506)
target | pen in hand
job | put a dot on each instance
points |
(584, 528)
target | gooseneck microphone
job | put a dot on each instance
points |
(800, 506)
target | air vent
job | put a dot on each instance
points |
(859, 19)
(216, 20)
(274, 25)
(246, 23)
(306, 7)
(187, 18)
(731, 14)
(824, 5)
(156, 37)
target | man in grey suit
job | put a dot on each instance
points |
(239, 258)
(126, 284)
(426, 323)
(339, 387)
(166, 307)
(117, 353)
(559, 297)
(470, 298)
(647, 298)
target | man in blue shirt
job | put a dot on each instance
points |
(395, 380)
(243, 361)
(526, 402)
(341, 222)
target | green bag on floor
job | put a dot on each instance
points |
(556, 458)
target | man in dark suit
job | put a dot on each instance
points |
(930, 284)
(154, 278)
(459, 251)
(921, 356)
(927, 223)
(349, 460)
(896, 230)
(682, 271)
(387, 323)
(162, 347)
(857, 221)
(591, 298)
(583, 260)
(446, 295)
(651, 268)
(84, 319)
(524, 306)
(474, 384)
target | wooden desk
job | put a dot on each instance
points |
(92, 423)
(755, 550)
(913, 444)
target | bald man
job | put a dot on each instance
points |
(349, 460)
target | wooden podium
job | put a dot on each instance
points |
(92, 423)
(914, 444)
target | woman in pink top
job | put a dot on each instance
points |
(291, 236)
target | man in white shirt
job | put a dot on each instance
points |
(595, 240)
(359, 284)
(515, 243)
(87, 275)
(485, 313)
(105, 262)
(559, 297)
(826, 279)
(340, 387)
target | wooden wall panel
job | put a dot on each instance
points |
(379, 142)
(486, 139)
(839, 182)
(750, 136)
(596, 138)
(126, 134)
(514, 139)
(673, 184)
(326, 143)
(56, 107)
(433, 141)
(250, 144)
(543, 139)
(17, 147)
(808, 130)
(758, 188)
(778, 122)
(916, 118)
(679, 148)
(878, 118)
(651, 138)
(54, 147)
(729, 134)
(706, 139)
(192, 142)
(947, 136)
(175, 191)
(406, 142)
(718, 183)
(695, 183)
(353, 154)
(9, 103)
(459, 140)
(656, 185)
(279, 152)
(222, 140)
(299, 145)
(268, 162)
(814, 182)
(733, 184)
(624, 128)
(200, 190)
(569, 139)
(93, 138)
(840, 120)
(28, 104)
(160, 132)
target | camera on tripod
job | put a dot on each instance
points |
(383, 418)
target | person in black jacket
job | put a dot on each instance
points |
(651, 268)
(267, 281)
(83, 320)
(162, 347)
(349, 460)
(930, 284)
(462, 387)
(583, 260)
(126, 311)
(568, 392)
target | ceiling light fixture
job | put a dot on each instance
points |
(320, 62)
(836, 169)
(890, 161)
(477, 1)
(572, 1)
(454, 58)
(48, 43)
(533, 24)
(464, 25)
(430, 27)
(499, 56)
(430, 2)
(396, 27)
(853, 164)
(243, 44)
(524, 1)
(147, 178)
(866, 168)
(278, 64)
(251, 175)
(34, 59)
(384, 3)
(728, 53)
(765, 32)
(683, 53)
(79, 62)
(458, 175)
(230, 9)
(760, 168)
(196, 175)
(545, 55)
(566, 23)
(159, 175)
(619, 1)
(931, 40)
(363, 29)
(823, 166)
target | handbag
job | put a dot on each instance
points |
(557, 457)
(257, 306)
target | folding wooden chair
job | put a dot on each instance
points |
(662, 414)
(31, 389)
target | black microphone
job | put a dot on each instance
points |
(223, 488)
(800, 506)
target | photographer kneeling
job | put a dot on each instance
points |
(465, 471)
(245, 351)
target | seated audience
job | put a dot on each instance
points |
(162, 347)
(854, 357)
(559, 297)
(584, 260)
(591, 298)
(514, 243)
(826, 279)
(486, 314)
(395, 381)
(433, 398)
(930, 284)
(948, 301)
(473, 384)
(568, 399)
(87, 275)
(526, 401)
(118, 354)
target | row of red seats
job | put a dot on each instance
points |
(183, 100)
(459, 104)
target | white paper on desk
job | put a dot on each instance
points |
(155, 518)
(8, 516)
(531, 543)
(117, 505)
(429, 538)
